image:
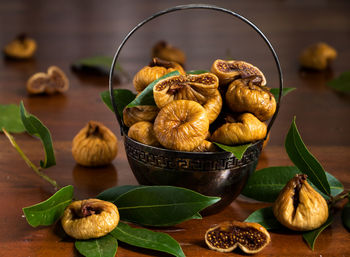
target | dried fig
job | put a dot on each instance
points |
(266, 141)
(246, 128)
(205, 146)
(213, 106)
(181, 125)
(243, 96)
(54, 81)
(155, 70)
(90, 218)
(139, 113)
(227, 71)
(200, 88)
(167, 52)
(299, 206)
(22, 47)
(225, 237)
(37, 83)
(94, 145)
(143, 132)
(317, 56)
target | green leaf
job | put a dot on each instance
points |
(121, 96)
(197, 216)
(335, 185)
(148, 239)
(341, 83)
(345, 215)
(265, 218)
(304, 160)
(34, 127)
(196, 72)
(311, 236)
(98, 247)
(48, 212)
(152, 205)
(99, 64)
(285, 91)
(113, 193)
(266, 184)
(238, 151)
(10, 119)
(146, 96)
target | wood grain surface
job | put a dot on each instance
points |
(68, 30)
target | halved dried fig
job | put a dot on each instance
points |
(181, 125)
(139, 113)
(157, 68)
(227, 71)
(22, 47)
(205, 146)
(243, 96)
(90, 218)
(58, 80)
(245, 129)
(165, 51)
(54, 81)
(37, 83)
(299, 206)
(225, 237)
(143, 132)
(317, 56)
(200, 88)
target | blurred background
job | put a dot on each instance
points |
(66, 31)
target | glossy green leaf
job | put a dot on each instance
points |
(121, 96)
(341, 83)
(238, 151)
(148, 239)
(113, 193)
(10, 119)
(98, 247)
(311, 236)
(345, 215)
(304, 160)
(196, 72)
(266, 184)
(34, 127)
(285, 91)
(146, 96)
(265, 218)
(48, 212)
(151, 205)
(335, 185)
(98, 64)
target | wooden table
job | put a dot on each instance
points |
(68, 30)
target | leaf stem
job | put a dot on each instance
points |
(28, 162)
(337, 198)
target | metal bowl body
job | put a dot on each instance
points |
(213, 174)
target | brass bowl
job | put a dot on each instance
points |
(209, 173)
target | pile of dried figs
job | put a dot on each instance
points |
(227, 105)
